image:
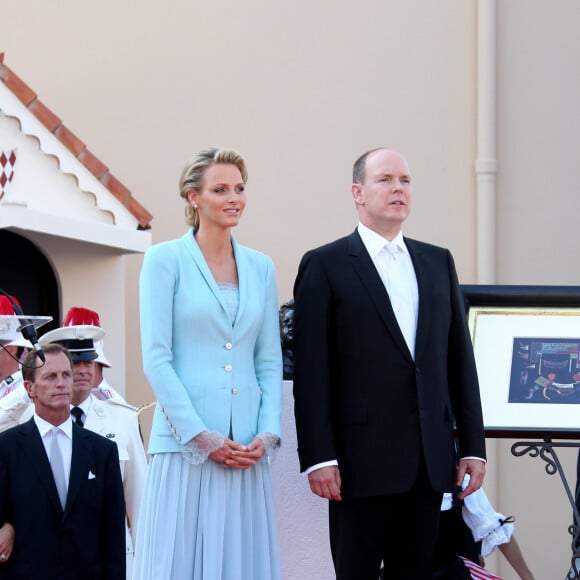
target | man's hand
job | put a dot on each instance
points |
(6, 541)
(325, 482)
(476, 470)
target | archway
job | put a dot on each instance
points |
(26, 273)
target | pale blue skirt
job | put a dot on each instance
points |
(204, 522)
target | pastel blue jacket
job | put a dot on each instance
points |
(207, 371)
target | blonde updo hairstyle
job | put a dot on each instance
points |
(192, 176)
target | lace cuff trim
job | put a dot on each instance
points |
(197, 450)
(501, 535)
(272, 444)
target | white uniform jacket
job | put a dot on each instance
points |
(15, 408)
(118, 422)
(11, 383)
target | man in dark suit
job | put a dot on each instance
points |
(60, 486)
(383, 368)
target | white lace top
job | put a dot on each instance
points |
(487, 525)
(231, 296)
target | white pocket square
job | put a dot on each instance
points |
(91, 475)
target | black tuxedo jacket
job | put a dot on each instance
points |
(87, 540)
(360, 397)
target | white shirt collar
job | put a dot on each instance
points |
(85, 405)
(374, 242)
(44, 426)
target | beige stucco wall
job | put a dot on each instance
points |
(538, 142)
(301, 89)
(93, 277)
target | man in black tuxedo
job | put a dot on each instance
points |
(384, 368)
(60, 486)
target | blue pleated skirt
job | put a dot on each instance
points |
(205, 522)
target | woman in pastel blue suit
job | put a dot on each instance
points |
(211, 352)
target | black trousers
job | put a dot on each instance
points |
(399, 529)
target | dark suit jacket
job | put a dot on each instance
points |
(359, 395)
(88, 539)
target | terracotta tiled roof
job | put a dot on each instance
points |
(77, 147)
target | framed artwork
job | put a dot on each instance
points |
(526, 341)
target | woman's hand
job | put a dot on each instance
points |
(6, 541)
(237, 456)
(226, 452)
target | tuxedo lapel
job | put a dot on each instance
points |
(425, 283)
(80, 463)
(370, 279)
(33, 447)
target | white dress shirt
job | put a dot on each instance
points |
(395, 267)
(64, 441)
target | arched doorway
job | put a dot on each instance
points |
(26, 273)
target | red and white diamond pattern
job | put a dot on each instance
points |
(7, 163)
